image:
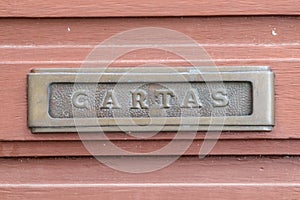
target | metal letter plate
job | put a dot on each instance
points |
(115, 99)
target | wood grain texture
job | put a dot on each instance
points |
(188, 177)
(140, 148)
(48, 32)
(168, 191)
(134, 8)
(15, 110)
(42, 43)
(34, 43)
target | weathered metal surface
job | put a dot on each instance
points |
(233, 98)
(237, 101)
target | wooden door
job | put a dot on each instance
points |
(60, 34)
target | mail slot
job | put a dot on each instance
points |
(152, 98)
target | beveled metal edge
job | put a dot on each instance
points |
(152, 69)
(150, 128)
(262, 118)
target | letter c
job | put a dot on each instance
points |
(80, 99)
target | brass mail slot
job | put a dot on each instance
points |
(151, 99)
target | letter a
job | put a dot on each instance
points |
(190, 100)
(111, 100)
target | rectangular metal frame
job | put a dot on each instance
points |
(261, 78)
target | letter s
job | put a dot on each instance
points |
(220, 98)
